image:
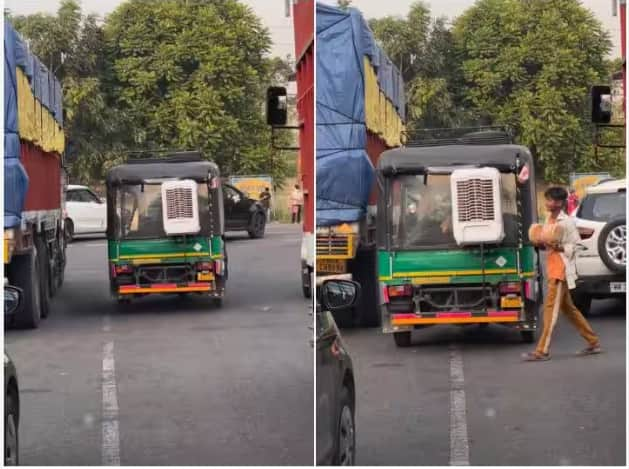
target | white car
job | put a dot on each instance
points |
(85, 214)
(602, 258)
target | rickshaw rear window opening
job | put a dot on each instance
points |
(420, 210)
(139, 211)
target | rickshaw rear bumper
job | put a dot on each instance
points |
(161, 288)
(397, 322)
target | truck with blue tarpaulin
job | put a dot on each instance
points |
(34, 143)
(360, 113)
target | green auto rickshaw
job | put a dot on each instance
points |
(452, 235)
(165, 227)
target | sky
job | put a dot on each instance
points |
(272, 14)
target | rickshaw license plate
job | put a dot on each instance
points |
(331, 266)
(201, 277)
(507, 302)
(618, 287)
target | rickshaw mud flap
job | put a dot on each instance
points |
(456, 317)
(165, 288)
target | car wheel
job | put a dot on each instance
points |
(258, 225)
(11, 439)
(583, 302)
(69, 231)
(402, 339)
(612, 245)
(346, 433)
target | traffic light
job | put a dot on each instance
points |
(601, 104)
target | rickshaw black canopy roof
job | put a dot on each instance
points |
(139, 172)
(407, 160)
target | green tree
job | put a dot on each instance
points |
(424, 52)
(194, 75)
(344, 4)
(530, 64)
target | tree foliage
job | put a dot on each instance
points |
(528, 64)
(172, 74)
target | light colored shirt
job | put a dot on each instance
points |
(569, 241)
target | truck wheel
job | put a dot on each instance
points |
(402, 339)
(612, 245)
(25, 275)
(306, 282)
(44, 276)
(367, 311)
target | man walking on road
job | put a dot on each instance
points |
(296, 202)
(265, 200)
(561, 277)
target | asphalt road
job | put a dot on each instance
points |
(567, 411)
(175, 382)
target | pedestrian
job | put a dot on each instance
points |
(560, 238)
(265, 200)
(573, 201)
(296, 203)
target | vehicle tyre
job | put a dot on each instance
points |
(367, 311)
(344, 318)
(11, 425)
(24, 274)
(257, 226)
(69, 231)
(345, 451)
(528, 337)
(582, 301)
(612, 245)
(44, 276)
(123, 302)
(306, 282)
(402, 339)
(217, 302)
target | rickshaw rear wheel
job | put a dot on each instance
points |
(528, 337)
(402, 339)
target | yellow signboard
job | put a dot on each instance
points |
(253, 186)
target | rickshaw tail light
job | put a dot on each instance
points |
(205, 266)
(400, 290)
(124, 269)
(585, 233)
(510, 287)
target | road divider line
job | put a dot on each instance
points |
(111, 434)
(459, 444)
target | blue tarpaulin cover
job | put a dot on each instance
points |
(344, 172)
(15, 179)
(47, 91)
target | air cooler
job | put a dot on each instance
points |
(476, 206)
(180, 207)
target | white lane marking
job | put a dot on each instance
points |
(459, 445)
(111, 435)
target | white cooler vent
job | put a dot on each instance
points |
(476, 206)
(180, 207)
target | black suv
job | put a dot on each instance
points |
(243, 213)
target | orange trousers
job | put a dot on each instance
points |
(558, 299)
